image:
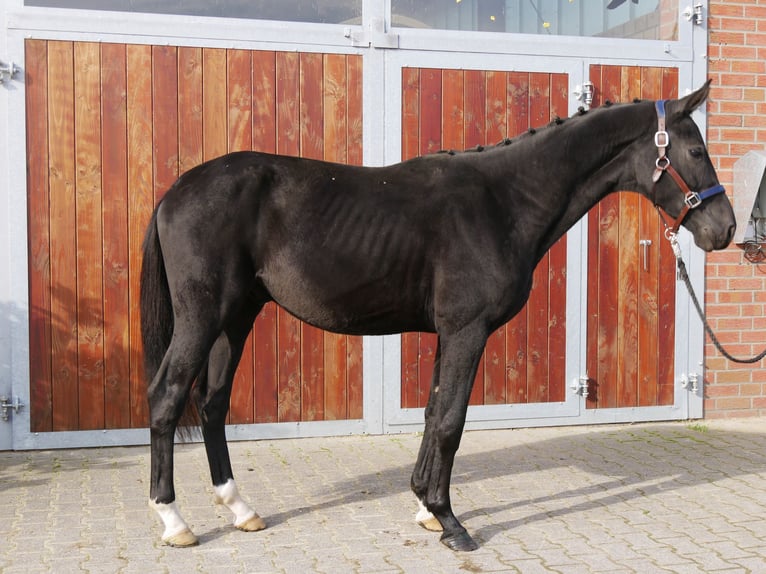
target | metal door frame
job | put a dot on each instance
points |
(374, 40)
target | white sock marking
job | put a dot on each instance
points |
(171, 518)
(228, 495)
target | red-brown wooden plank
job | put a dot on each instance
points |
(452, 108)
(474, 134)
(189, 108)
(557, 339)
(264, 101)
(63, 242)
(239, 96)
(410, 342)
(494, 359)
(627, 306)
(165, 117)
(497, 106)
(140, 206)
(475, 112)
(667, 280)
(431, 92)
(430, 110)
(516, 330)
(214, 111)
(355, 131)
(89, 235)
(288, 143)
(410, 113)
(115, 217)
(594, 269)
(518, 103)
(335, 135)
(38, 210)
(538, 367)
(312, 146)
(265, 329)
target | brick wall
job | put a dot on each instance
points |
(736, 288)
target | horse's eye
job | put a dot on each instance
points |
(696, 152)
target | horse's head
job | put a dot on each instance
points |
(684, 183)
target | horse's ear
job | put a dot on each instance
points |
(688, 104)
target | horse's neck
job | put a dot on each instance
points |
(585, 160)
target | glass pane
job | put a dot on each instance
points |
(636, 19)
(322, 11)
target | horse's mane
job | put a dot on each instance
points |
(556, 121)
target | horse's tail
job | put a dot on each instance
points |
(157, 314)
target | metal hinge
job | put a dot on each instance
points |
(579, 386)
(7, 71)
(375, 36)
(690, 382)
(584, 93)
(6, 404)
(694, 14)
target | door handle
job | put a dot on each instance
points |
(645, 244)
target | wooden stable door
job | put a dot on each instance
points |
(524, 361)
(110, 127)
(631, 291)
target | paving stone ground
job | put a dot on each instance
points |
(657, 497)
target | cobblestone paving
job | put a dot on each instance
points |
(659, 497)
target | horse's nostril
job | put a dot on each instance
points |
(732, 230)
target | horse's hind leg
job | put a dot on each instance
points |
(212, 395)
(168, 394)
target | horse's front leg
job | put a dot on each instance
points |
(454, 371)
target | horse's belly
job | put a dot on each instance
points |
(377, 308)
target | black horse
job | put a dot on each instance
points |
(445, 243)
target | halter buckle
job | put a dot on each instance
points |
(661, 139)
(662, 162)
(692, 199)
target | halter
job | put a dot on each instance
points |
(692, 199)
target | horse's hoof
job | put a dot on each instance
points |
(252, 524)
(459, 541)
(182, 539)
(430, 523)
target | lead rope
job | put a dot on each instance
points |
(708, 329)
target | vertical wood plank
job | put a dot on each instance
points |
(335, 122)
(288, 143)
(214, 111)
(538, 305)
(474, 134)
(667, 280)
(557, 336)
(355, 113)
(38, 209)
(89, 234)
(594, 268)
(189, 108)
(430, 110)
(239, 96)
(265, 367)
(410, 113)
(140, 206)
(165, 118)
(312, 146)
(452, 108)
(114, 133)
(410, 342)
(516, 329)
(63, 242)
(496, 111)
